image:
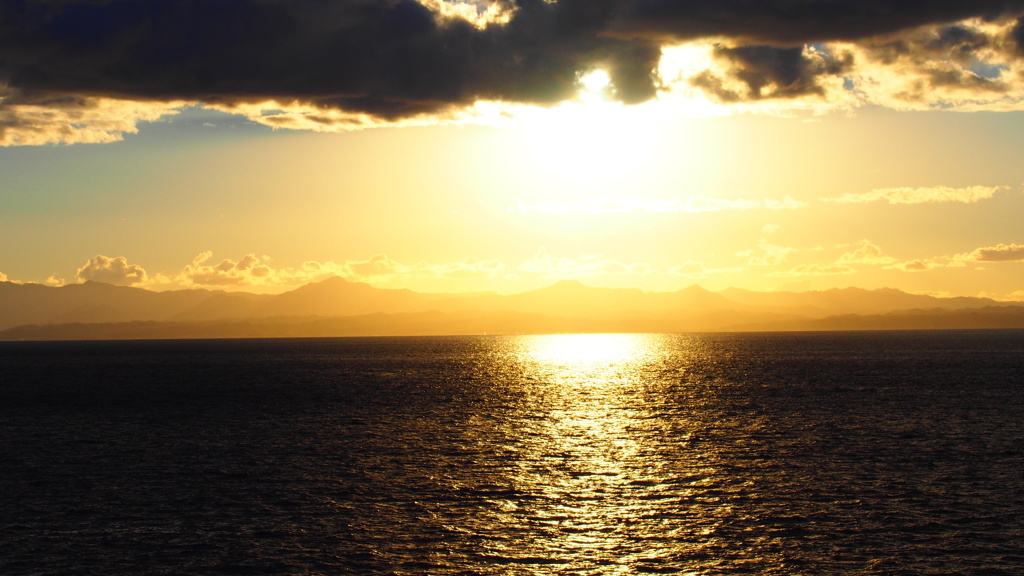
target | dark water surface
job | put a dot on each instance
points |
(835, 453)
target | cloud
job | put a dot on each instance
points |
(111, 271)
(814, 270)
(914, 266)
(249, 270)
(385, 58)
(381, 267)
(924, 265)
(746, 73)
(968, 195)
(967, 65)
(796, 23)
(252, 270)
(700, 204)
(1015, 296)
(656, 205)
(768, 254)
(696, 269)
(866, 253)
(36, 118)
(870, 254)
(999, 253)
(3, 277)
(356, 63)
(547, 266)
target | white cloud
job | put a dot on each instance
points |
(3, 277)
(968, 195)
(111, 271)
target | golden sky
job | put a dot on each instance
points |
(467, 146)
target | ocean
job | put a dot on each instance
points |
(704, 454)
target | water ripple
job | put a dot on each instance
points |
(592, 454)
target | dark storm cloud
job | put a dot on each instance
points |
(1018, 35)
(770, 72)
(397, 58)
(955, 43)
(795, 22)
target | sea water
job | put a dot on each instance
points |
(824, 453)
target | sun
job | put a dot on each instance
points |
(595, 86)
(592, 145)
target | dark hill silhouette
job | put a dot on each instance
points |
(90, 302)
(848, 301)
(339, 297)
(568, 305)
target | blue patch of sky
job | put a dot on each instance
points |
(194, 122)
(987, 70)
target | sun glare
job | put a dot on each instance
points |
(593, 145)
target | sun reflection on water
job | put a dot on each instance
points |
(585, 447)
(583, 351)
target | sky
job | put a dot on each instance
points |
(468, 146)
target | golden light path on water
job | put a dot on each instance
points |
(590, 443)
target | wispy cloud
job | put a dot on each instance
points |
(968, 195)
(814, 270)
(381, 267)
(767, 254)
(999, 253)
(253, 270)
(696, 269)
(1015, 296)
(547, 266)
(655, 205)
(866, 253)
(44, 118)
(926, 264)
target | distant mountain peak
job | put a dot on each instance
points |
(569, 283)
(333, 280)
